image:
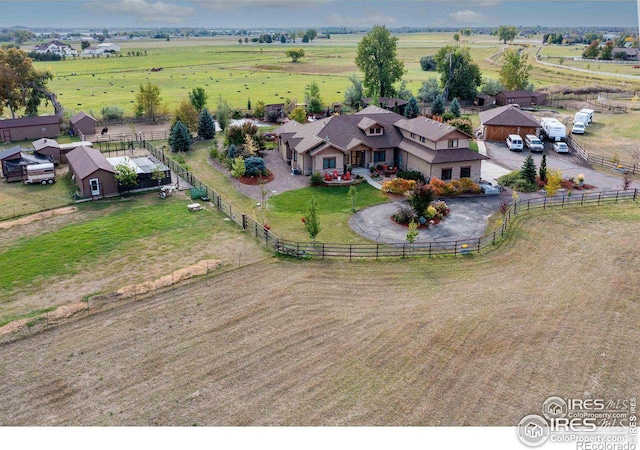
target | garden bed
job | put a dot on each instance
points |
(254, 181)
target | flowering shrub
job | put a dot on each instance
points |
(430, 213)
(454, 187)
(398, 186)
(404, 216)
(441, 208)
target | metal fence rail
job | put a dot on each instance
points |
(388, 250)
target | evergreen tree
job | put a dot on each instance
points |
(543, 168)
(528, 171)
(437, 109)
(238, 169)
(206, 125)
(412, 109)
(180, 138)
(455, 107)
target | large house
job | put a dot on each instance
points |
(101, 49)
(56, 48)
(376, 136)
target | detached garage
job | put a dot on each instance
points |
(92, 173)
(496, 124)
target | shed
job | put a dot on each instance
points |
(92, 173)
(144, 167)
(8, 160)
(484, 100)
(28, 128)
(498, 123)
(83, 123)
(49, 147)
(520, 97)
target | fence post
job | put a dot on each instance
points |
(377, 249)
(404, 246)
(599, 197)
(430, 244)
(455, 248)
(635, 194)
(349, 250)
(544, 206)
(479, 239)
(494, 238)
(582, 200)
(244, 222)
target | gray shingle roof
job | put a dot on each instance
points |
(86, 160)
(508, 115)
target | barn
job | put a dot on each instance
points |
(92, 173)
(83, 123)
(498, 123)
(520, 97)
(29, 128)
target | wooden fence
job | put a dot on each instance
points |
(387, 250)
(610, 163)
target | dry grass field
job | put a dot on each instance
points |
(475, 341)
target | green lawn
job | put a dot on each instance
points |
(17, 199)
(85, 245)
(285, 211)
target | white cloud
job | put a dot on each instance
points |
(229, 5)
(468, 17)
(147, 11)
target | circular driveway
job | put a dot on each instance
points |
(467, 220)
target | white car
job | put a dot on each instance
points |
(578, 128)
(560, 147)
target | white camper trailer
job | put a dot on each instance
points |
(553, 129)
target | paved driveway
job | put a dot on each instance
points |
(569, 165)
(467, 220)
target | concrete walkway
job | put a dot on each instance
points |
(364, 173)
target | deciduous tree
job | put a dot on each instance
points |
(148, 100)
(507, 33)
(354, 93)
(21, 85)
(459, 75)
(515, 70)
(377, 58)
(198, 98)
(299, 115)
(125, 176)
(295, 54)
(311, 220)
(187, 114)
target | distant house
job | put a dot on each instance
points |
(108, 47)
(83, 123)
(629, 54)
(498, 123)
(92, 173)
(56, 48)
(28, 128)
(396, 105)
(521, 97)
(378, 137)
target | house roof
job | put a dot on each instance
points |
(45, 142)
(428, 128)
(87, 160)
(440, 156)
(29, 122)
(387, 102)
(9, 152)
(508, 115)
(521, 93)
(81, 115)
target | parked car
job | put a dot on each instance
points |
(578, 128)
(514, 142)
(560, 147)
(488, 188)
(533, 143)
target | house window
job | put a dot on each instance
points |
(328, 163)
(446, 174)
(413, 135)
(465, 172)
(295, 156)
(379, 157)
(422, 139)
(375, 130)
(453, 143)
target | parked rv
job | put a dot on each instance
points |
(581, 117)
(553, 129)
(588, 113)
(40, 173)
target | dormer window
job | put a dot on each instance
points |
(422, 139)
(453, 143)
(375, 130)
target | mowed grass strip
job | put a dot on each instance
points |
(79, 246)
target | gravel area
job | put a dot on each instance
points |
(283, 181)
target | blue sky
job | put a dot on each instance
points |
(316, 13)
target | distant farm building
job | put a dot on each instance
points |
(83, 123)
(521, 97)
